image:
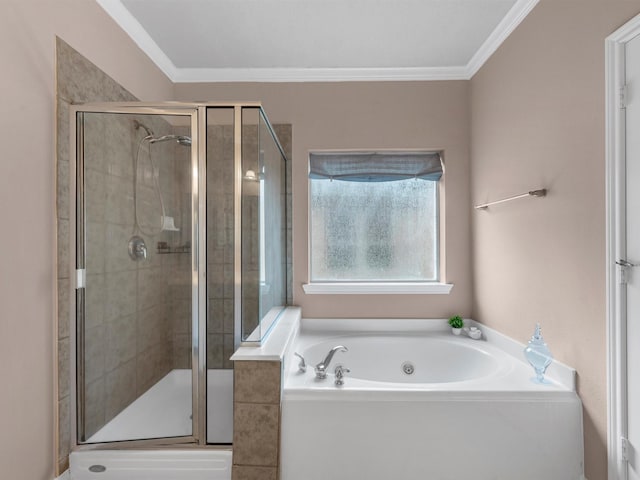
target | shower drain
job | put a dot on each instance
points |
(97, 468)
(408, 368)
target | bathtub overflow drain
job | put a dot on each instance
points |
(407, 367)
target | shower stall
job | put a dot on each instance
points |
(179, 256)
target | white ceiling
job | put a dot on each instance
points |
(318, 40)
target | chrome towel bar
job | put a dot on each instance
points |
(533, 193)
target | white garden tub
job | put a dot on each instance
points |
(468, 410)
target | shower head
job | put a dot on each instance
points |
(181, 139)
(184, 140)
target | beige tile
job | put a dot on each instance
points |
(250, 318)
(228, 350)
(215, 315)
(94, 353)
(256, 382)
(152, 288)
(215, 254)
(121, 143)
(116, 248)
(64, 320)
(63, 465)
(120, 341)
(181, 316)
(243, 472)
(255, 436)
(63, 139)
(228, 322)
(228, 284)
(95, 194)
(94, 407)
(151, 327)
(215, 351)
(229, 249)
(119, 202)
(64, 366)
(164, 362)
(182, 351)
(64, 428)
(149, 207)
(120, 389)
(153, 364)
(95, 247)
(215, 280)
(120, 294)
(64, 259)
(79, 80)
(95, 298)
(63, 200)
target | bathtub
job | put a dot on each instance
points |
(420, 403)
(164, 409)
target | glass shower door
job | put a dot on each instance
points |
(137, 271)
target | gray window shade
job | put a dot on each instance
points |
(375, 167)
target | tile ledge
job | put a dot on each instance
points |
(275, 345)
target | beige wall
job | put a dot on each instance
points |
(27, 205)
(369, 116)
(537, 121)
(536, 112)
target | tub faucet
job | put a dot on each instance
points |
(321, 368)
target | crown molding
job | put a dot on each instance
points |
(507, 25)
(139, 35)
(191, 75)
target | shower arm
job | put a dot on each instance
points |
(140, 125)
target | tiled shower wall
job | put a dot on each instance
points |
(220, 236)
(220, 246)
(127, 330)
(78, 81)
(140, 326)
(137, 313)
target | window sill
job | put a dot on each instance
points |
(371, 288)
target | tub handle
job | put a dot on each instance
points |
(340, 371)
(302, 366)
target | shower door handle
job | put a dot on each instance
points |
(623, 271)
(626, 264)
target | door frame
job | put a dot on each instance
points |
(77, 268)
(615, 244)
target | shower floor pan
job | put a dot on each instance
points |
(165, 410)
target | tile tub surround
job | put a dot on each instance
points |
(257, 399)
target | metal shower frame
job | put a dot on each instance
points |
(197, 111)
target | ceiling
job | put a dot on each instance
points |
(318, 40)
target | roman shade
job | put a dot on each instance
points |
(375, 166)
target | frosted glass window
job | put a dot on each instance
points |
(374, 231)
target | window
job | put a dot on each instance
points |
(374, 218)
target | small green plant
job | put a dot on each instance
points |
(456, 321)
